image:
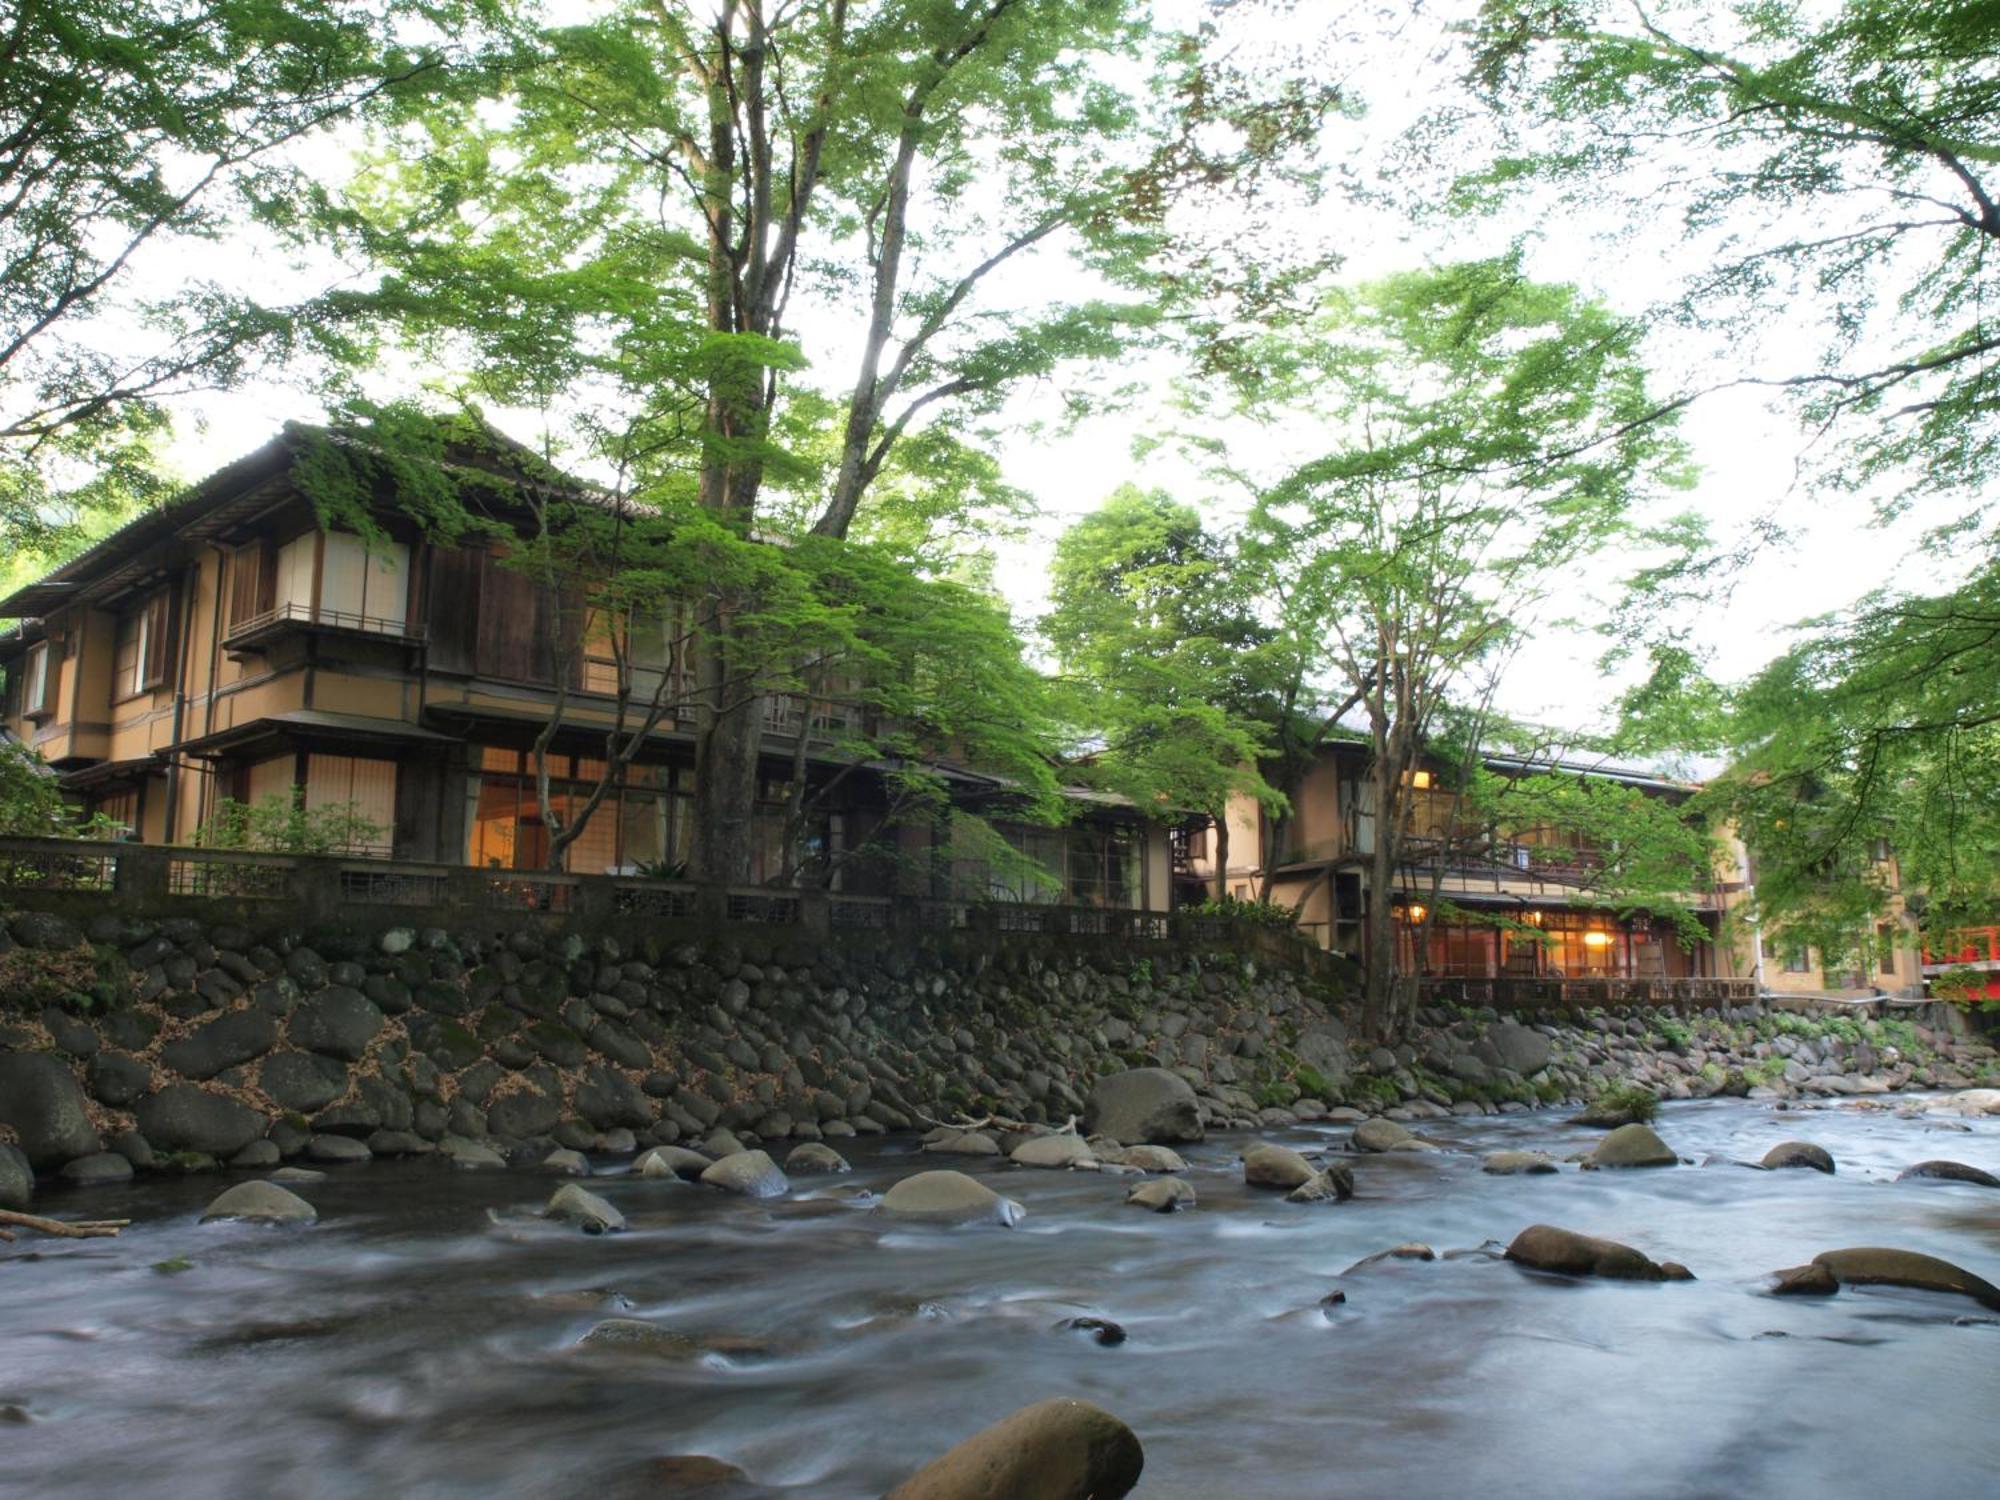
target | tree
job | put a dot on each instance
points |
(1834, 162)
(669, 201)
(132, 130)
(1158, 654)
(1487, 438)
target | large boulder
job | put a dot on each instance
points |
(1543, 1247)
(41, 1099)
(1266, 1165)
(1054, 1450)
(260, 1202)
(1798, 1154)
(523, 1112)
(814, 1156)
(1870, 1266)
(1633, 1146)
(1143, 1105)
(946, 1197)
(1949, 1171)
(1521, 1049)
(751, 1173)
(236, 1037)
(182, 1117)
(17, 1178)
(118, 1078)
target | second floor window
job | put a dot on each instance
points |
(38, 684)
(333, 578)
(142, 655)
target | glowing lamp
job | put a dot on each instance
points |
(1597, 940)
(1415, 913)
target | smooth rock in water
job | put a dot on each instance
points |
(637, 1336)
(618, 1142)
(812, 1156)
(1101, 1330)
(1148, 1159)
(721, 1143)
(1143, 1105)
(1054, 1450)
(575, 1205)
(1163, 1195)
(1266, 1165)
(399, 1143)
(683, 1476)
(1511, 1163)
(17, 1178)
(338, 1150)
(1409, 1250)
(1543, 1247)
(1948, 1171)
(97, 1169)
(1869, 1266)
(672, 1161)
(298, 1174)
(182, 1117)
(262, 1203)
(1387, 1135)
(964, 1143)
(1054, 1151)
(470, 1154)
(1633, 1146)
(1333, 1185)
(1805, 1281)
(258, 1155)
(46, 1106)
(569, 1163)
(751, 1173)
(946, 1197)
(1798, 1154)
(1974, 1102)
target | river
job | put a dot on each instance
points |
(419, 1341)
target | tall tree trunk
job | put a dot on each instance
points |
(1222, 854)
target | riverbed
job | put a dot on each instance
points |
(421, 1339)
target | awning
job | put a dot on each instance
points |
(108, 771)
(301, 723)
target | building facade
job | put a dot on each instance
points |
(229, 648)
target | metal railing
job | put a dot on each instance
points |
(294, 612)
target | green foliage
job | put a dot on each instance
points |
(283, 824)
(1314, 1083)
(1252, 913)
(1633, 1101)
(1672, 1032)
(32, 804)
(78, 980)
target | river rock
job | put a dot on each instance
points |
(813, 1156)
(1973, 1102)
(1053, 1151)
(964, 1143)
(338, 1151)
(1054, 1450)
(1798, 1154)
(1870, 1266)
(97, 1169)
(1271, 1166)
(1408, 1250)
(1162, 1195)
(1632, 1145)
(1333, 1185)
(17, 1178)
(469, 1154)
(182, 1117)
(1521, 1049)
(579, 1206)
(672, 1161)
(260, 1155)
(338, 1022)
(238, 1036)
(721, 1143)
(751, 1173)
(569, 1163)
(260, 1202)
(1949, 1171)
(45, 1105)
(637, 1336)
(946, 1197)
(302, 1081)
(1143, 1105)
(1512, 1163)
(1387, 1135)
(118, 1079)
(1805, 1281)
(1147, 1159)
(1543, 1247)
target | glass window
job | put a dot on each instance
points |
(128, 661)
(1885, 947)
(638, 828)
(37, 699)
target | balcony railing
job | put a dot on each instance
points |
(293, 613)
(1966, 948)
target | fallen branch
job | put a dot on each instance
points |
(82, 1229)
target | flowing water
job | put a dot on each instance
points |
(420, 1339)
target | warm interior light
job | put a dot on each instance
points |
(1421, 780)
(1597, 940)
(1533, 919)
(1414, 913)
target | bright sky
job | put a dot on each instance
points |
(1745, 451)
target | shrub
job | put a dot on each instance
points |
(1635, 1101)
